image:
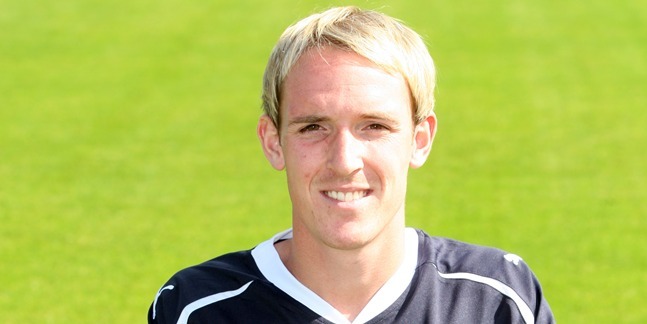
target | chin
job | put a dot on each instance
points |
(350, 237)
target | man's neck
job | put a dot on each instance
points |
(346, 279)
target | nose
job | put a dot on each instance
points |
(345, 152)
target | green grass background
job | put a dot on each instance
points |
(128, 146)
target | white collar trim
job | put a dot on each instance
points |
(269, 262)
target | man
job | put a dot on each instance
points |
(348, 101)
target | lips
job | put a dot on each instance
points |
(346, 196)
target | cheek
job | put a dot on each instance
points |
(300, 164)
(394, 155)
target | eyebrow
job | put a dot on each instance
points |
(308, 119)
(380, 116)
(313, 119)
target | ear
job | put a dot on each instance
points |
(270, 139)
(423, 137)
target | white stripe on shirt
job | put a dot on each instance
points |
(525, 311)
(202, 302)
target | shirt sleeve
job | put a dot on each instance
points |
(164, 306)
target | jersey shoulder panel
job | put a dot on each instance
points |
(224, 276)
(491, 268)
(452, 256)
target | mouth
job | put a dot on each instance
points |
(346, 196)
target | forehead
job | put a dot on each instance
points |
(331, 62)
(330, 77)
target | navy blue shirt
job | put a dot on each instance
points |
(440, 281)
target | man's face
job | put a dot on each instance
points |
(346, 140)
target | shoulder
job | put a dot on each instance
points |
(224, 276)
(452, 256)
(470, 267)
(222, 272)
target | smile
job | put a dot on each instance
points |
(346, 196)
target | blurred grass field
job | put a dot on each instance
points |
(128, 146)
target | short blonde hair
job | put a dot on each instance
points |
(381, 39)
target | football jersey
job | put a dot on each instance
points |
(439, 281)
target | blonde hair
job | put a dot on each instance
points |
(381, 39)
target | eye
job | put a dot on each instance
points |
(309, 128)
(377, 127)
